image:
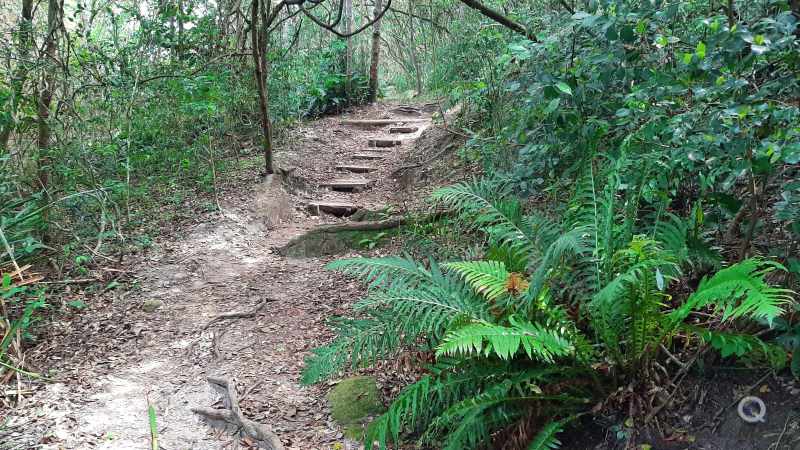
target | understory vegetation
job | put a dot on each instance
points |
(636, 218)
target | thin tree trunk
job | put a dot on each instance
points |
(348, 56)
(18, 81)
(263, 99)
(46, 92)
(413, 47)
(376, 54)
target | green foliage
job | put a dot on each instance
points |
(488, 278)
(504, 342)
(479, 316)
(546, 439)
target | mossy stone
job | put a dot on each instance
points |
(151, 305)
(354, 403)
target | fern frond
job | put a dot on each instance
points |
(488, 278)
(358, 342)
(487, 338)
(575, 243)
(737, 344)
(380, 271)
(426, 309)
(739, 291)
(547, 439)
(483, 202)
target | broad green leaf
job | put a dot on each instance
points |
(564, 87)
(700, 51)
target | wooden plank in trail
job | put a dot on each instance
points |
(380, 122)
(395, 130)
(338, 209)
(384, 142)
(347, 184)
(355, 168)
(368, 156)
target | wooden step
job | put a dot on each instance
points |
(380, 122)
(395, 130)
(355, 168)
(368, 156)
(337, 209)
(384, 142)
(347, 185)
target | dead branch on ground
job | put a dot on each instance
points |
(231, 414)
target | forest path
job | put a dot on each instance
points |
(114, 357)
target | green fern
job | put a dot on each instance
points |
(482, 203)
(378, 271)
(486, 338)
(546, 438)
(488, 278)
(358, 342)
(739, 291)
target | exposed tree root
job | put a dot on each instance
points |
(232, 415)
(240, 314)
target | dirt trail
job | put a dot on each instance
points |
(111, 358)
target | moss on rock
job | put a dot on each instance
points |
(354, 403)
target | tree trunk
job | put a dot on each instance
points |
(376, 54)
(46, 91)
(18, 81)
(413, 47)
(263, 96)
(348, 56)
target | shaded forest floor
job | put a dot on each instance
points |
(155, 340)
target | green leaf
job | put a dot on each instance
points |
(552, 105)
(700, 51)
(627, 34)
(564, 87)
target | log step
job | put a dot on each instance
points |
(367, 156)
(337, 209)
(347, 185)
(381, 122)
(395, 130)
(355, 168)
(384, 142)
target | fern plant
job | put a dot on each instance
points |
(508, 351)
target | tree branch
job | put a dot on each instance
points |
(501, 19)
(330, 27)
(425, 19)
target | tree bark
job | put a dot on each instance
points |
(413, 48)
(25, 43)
(499, 18)
(348, 56)
(376, 54)
(46, 91)
(263, 96)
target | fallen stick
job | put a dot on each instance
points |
(239, 314)
(232, 415)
